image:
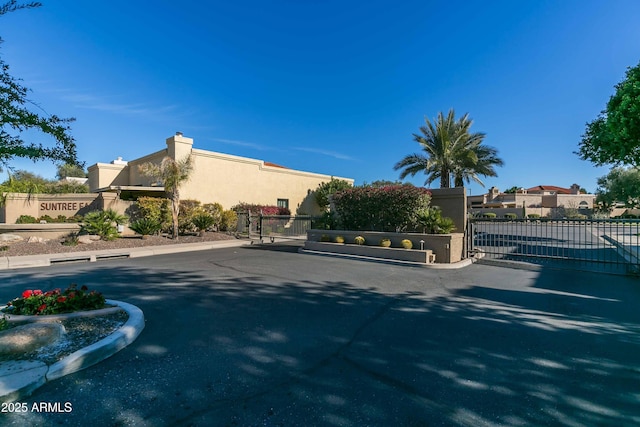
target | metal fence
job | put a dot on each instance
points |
(260, 227)
(596, 245)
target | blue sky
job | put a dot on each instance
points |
(335, 87)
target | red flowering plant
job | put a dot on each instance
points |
(36, 302)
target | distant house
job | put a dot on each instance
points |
(541, 199)
(216, 177)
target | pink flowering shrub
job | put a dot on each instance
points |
(389, 208)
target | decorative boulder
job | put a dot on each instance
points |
(8, 238)
(30, 337)
(36, 239)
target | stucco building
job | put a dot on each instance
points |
(542, 200)
(216, 177)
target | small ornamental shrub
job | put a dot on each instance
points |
(71, 239)
(203, 221)
(325, 238)
(36, 302)
(385, 243)
(103, 223)
(339, 239)
(229, 221)
(489, 215)
(46, 218)
(146, 226)
(510, 216)
(407, 244)
(154, 208)
(359, 240)
(188, 209)
(4, 324)
(26, 219)
(4, 248)
(533, 216)
(215, 210)
(432, 222)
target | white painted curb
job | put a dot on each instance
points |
(20, 379)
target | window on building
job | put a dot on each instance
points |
(283, 203)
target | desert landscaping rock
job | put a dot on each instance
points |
(36, 239)
(8, 238)
(86, 239)
(27, 338)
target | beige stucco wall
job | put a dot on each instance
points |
(102, 175)
(453, 204)
(37, 205)
(223, 178)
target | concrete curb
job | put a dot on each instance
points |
(452, 266)
(45, 260)
(20, 378)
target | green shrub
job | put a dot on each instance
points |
(156, 209)
(229, 221)
(4, 323)
(325, 238)
(36, 302)
(146, 226)
(215, 210)
(103, 223)
(489, 215)
(203, 221)
(407, 244)
(388, 208)
(4, 248)
(359, 240)
(510, 216)
(533, 216)
(71, 239)
(432, 222)
(339, 239)
(188, 208)
(26, 219)
(385, 243)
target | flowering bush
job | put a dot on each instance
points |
(36, 302)
(389, 208)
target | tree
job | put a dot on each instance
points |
(614, 136)
(70, 170)
(512, 190)
(620, 185)
(327, 189)
(450, 151)
(16, 118)
(172, 173)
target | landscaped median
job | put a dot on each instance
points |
(20, 378)
(425, 248)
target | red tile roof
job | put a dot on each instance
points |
(540, 188)
(273, 165)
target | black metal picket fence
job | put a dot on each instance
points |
(598, 245)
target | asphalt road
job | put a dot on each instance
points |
(265, 336)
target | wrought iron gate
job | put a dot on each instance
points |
(260, 227)
(597, 245)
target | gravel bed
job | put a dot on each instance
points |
(53, 246)
(80, 332)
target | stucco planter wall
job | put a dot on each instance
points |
(47, 231)
(398, 254)
(448, 248)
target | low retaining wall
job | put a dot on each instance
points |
(47, 231)
(412, 255)
(447, 248)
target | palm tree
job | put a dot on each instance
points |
(172, 173)
(479, 160)
(450, 151)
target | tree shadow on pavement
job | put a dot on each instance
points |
(252, 350)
